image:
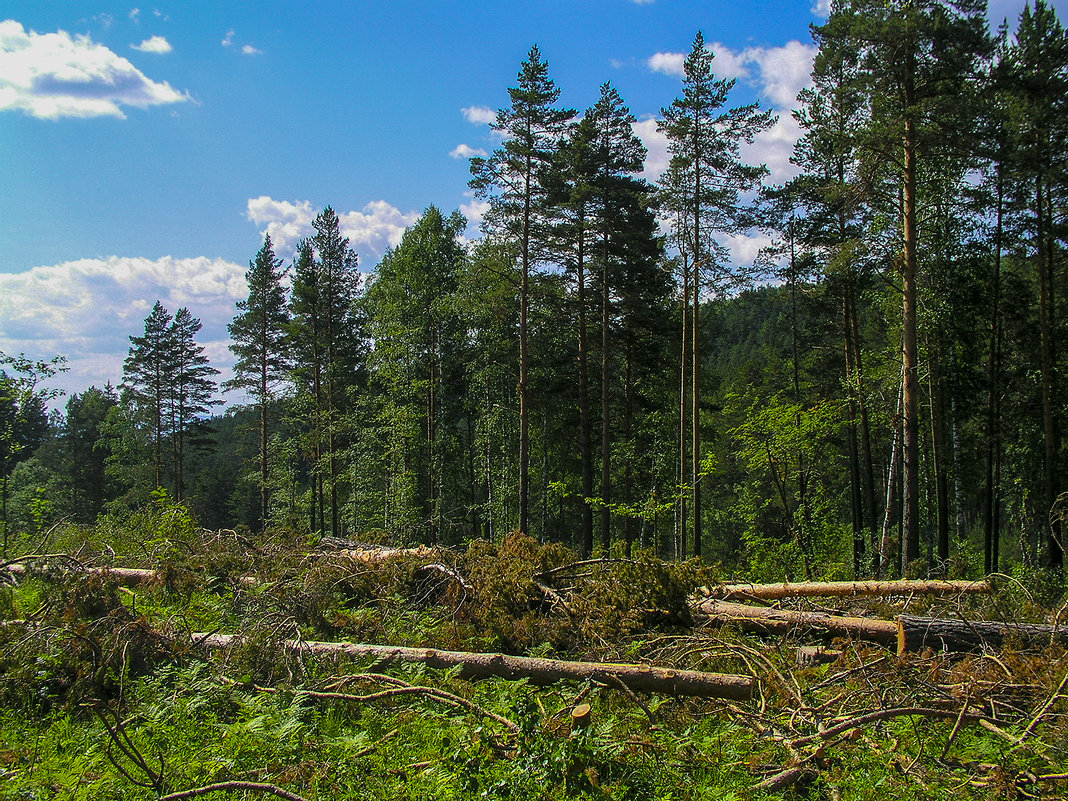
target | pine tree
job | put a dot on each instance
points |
(191, 393)
(259, 341)
(414, 323)
(916, 58)
(701, 189)
(327, 339)
(146, 376)
(1035, 70)
(512, 177)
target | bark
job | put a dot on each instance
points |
(844, 589)
(910, 479)
(585, 447)
(683, 407)
(944, 634)
(785, 622)
(646, 678)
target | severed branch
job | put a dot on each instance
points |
(218, 787)
(401, 688)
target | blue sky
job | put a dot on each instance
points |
(145, 149)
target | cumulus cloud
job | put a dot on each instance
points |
(135, 14)
(249, 50)
(86, 310)
(157, 44)
(55, 75)
(474, 211)
(656, 143)
(821, 8)
(667, 63)
(467, 152)
(228, 40)
(479, 115)
(372, 231)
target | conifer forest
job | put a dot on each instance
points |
(588, 437)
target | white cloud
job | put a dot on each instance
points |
(474, 212)
(378, 227)
(784, 71)
(744, 248)
(821, 8)
(656, 143)
(480, 115)
(228, 40)
(135, 14)
(249, 50)
(53, 75)
(667, 63)
(285, 222)
(466, 152)
(86, 310)
(157, 44)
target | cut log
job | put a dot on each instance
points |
(376, 554)
(785, 621)
(123, 576)
(969, 636)
(647, 678)
(842, 589)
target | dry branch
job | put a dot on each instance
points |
(784, 621)
(842, 589)
(257, 787)
(646, 678)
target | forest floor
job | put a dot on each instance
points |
(107, 690)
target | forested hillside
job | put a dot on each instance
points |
(880, 393)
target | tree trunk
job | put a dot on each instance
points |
(910, 545)
(785, 622)
(585, 444)
(645, 678)
(940, 634)
(844, 589)
(1046, 322)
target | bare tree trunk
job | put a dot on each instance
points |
(645, 678)
(910, 545)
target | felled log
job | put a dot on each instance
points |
(843, 589)
(124, 576)
(647, 678)
(373, 554)
(786, 621)
(945, 634)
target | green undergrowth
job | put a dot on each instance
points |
(105, 694)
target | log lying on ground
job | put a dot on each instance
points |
(372, 554)
(123, 576)
(843, 589)
(945, 634)
(786, 621)
(647, 678)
